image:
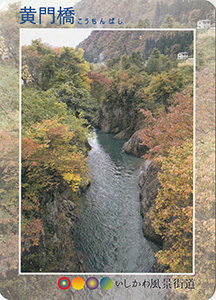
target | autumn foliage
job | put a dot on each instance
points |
(50, 160)
(168, 129)
(169, 137)
(56, 108)
(172, 215)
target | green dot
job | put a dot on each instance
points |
(106, 283)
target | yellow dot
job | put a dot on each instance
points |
(78, 283)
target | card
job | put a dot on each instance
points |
(107, 153)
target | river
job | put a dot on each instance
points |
(109, 229)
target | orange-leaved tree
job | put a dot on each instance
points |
(170, 128)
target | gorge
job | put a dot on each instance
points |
(109, 227)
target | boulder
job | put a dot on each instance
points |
(133, 145)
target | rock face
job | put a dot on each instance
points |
(116, 120)
(58, 226)
(57, 204)
(133, 145)
(149, 185)
(122, 120)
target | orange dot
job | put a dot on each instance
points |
(78, 283)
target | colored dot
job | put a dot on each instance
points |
(106, 283)
(92, 283)
(78, 283)
(64, 283)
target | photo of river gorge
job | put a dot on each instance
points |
(107, 151)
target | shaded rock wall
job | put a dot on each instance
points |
(58, 228)
(120, 118)
(149, 185)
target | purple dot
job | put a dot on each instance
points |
(92, 283)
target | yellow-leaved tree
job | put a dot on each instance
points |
(172, 215)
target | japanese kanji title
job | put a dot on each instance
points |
(62, 16)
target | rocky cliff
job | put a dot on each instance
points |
(149, 185)
(56, 252)
(118, 120)
(123, 121)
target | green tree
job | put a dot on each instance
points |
(40, 105)
(49, 67)
(158, 95)
(9, 29)
(168, 22)
(153, 63)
